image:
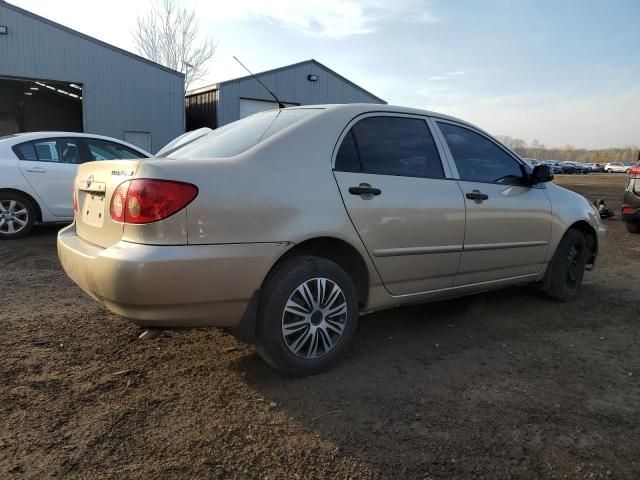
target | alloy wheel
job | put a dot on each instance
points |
(314, 318)
(14, 217)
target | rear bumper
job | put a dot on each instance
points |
(169, 286)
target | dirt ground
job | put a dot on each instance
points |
(501, 385)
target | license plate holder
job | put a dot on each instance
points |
(93, 209)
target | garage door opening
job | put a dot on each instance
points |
(30, 105)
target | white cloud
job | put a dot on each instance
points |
(324, 18)
(438, 78)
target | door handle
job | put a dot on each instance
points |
(477, 196)
(364, 189)
(36, 170)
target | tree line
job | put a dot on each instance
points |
(569, 153)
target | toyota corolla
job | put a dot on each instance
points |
(287, 225)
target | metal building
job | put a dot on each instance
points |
(55, 78)
(304, 83)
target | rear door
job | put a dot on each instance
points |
(408, 213)
(508, 224)
(50, 165)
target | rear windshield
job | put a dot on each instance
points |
(240, 136)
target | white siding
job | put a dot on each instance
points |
(120, 92)
(291, 85)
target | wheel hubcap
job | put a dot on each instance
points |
(314, 318)
(14, 216)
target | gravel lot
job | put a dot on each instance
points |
(500, 385)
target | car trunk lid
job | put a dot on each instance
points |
(94, 187)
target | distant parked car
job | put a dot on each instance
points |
(616, 167)
(581, 167)
(597, 167)
(631, 201)
(575, 167)
(556, 166)
(286, 225)
(37, 171)
(570, 168)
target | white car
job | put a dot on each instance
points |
(618, 167)
(37, 172)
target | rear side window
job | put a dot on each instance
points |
(347, 159)
(238, 137)
(26, 152)
(478, 159)
(47, 151)
(65, 150)
(104, 150)
(392, 146)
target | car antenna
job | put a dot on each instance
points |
(280, 104)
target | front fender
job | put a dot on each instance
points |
(570, 209)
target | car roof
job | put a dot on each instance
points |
(16, 138)
(361, 108)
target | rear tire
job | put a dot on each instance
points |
(17, 215)
(307, 315)
(632, 227)
(567, 267)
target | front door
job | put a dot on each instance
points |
(409, 216)
(508, 221)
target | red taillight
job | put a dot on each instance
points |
(634, 172)
(628, 209)
(145, 200)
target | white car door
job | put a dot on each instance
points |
(50, 165)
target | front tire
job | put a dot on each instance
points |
(609, 170)
(567, 267)
(17, 215)
(307, 315)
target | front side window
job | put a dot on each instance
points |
(104, 150)
(392, 146)
(478, 159)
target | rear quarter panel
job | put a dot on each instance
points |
(282, 190)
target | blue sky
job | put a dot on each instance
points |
(562, 72)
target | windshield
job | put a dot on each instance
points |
(240, 136)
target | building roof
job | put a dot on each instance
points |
(22, 11)
(216, 86)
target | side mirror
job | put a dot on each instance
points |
(541, 174)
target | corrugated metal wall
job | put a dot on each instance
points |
(120, 93)
(290, 85)
(201, 110)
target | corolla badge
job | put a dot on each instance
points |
(120, 173)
